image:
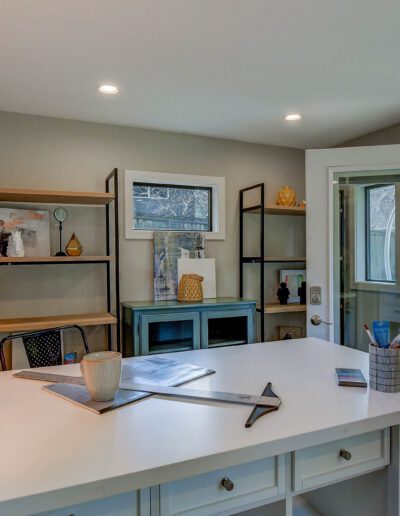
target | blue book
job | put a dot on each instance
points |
(350, 377)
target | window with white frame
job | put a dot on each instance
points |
(374, 246)
(158, 201)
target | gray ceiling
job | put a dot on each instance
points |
(224, 68)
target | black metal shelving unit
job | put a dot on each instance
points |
(256, 259)
(260, 209)
(107, 200)
(112, 245)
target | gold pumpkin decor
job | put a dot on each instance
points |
(286, 196)
(74, 247)
(190, 288)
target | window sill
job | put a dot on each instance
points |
(141, 234)
(376, 286)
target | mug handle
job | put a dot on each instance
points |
(81, 367)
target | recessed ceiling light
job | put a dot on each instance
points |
(291, 117)
(109, 89)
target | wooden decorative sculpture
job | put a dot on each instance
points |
(283, 293)
(302, 292)
(15, 245)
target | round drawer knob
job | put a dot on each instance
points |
(346, 455)
(227, 484)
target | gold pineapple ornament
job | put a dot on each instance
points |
(286, 196)
(74, 247)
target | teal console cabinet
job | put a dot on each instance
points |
(150, 327)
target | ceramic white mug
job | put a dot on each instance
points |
(102, 374)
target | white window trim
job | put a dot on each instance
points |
(357, 244)
(218, 199)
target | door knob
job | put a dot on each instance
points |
(316, 320)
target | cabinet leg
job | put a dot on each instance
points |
(288, 484)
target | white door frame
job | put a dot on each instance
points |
(321, 165)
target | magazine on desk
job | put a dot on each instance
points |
(144, 370)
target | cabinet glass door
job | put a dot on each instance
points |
(167, 333)
(227, 328)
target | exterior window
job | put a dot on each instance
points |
(380, 233)
(167, 207)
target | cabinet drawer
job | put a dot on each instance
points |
(204, 494)
(323, 464)
(129, 504)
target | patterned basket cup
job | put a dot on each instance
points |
(190, 288)
(384, 369)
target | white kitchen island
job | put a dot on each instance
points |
(61, 458)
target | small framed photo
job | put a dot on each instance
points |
(290, 332)
(293, 279)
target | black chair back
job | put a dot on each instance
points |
(44, 349)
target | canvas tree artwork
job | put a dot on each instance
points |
(168, 248)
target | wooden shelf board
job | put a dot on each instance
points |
(32, 260)
(41, 323)
(277, 210)
(274, 259)
(55, 197)
(275, 308)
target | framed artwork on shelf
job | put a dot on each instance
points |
(33, 227)
(293, 278)
(289, 332)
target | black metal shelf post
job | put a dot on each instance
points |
(113, 241)
(260, 258)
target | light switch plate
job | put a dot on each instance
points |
(315, 295)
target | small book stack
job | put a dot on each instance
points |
(350, 378)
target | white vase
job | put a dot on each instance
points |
(15, 246)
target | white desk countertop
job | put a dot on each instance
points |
(54, 453)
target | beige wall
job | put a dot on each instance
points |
(40, 152)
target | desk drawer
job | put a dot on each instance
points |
(203, 495)
(128, 504)
(338, 460)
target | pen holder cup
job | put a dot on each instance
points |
(384, 369)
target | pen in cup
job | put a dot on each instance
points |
(370, 336)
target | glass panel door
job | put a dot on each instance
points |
(166, 333)
(366, 238)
